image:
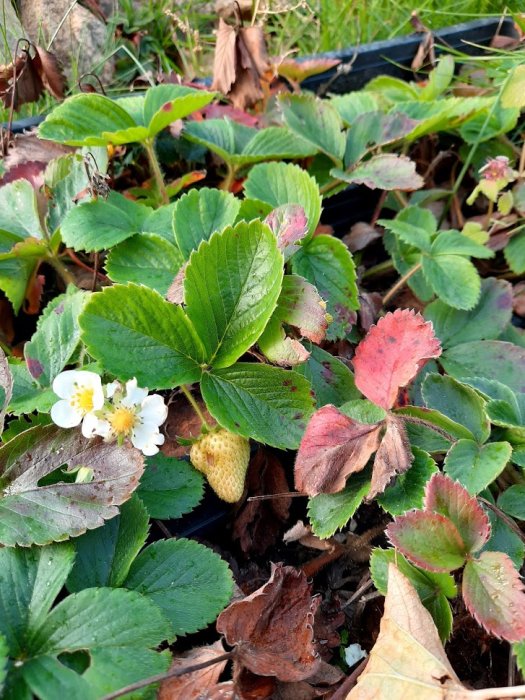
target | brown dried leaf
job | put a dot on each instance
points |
(272, 629)
(408, 661)
(361, 234)
(47, 67)
(192, 686)
(260, 522)
(225, 59)
(394, 456)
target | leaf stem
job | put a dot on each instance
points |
(61, 269)
(156, 171)
(227, 182)
(398, 286)
(195, 406)
(169, 674)
(380, 269)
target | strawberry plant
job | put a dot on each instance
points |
(184, 337)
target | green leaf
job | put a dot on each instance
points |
(372, 129)
(433, 589)
(504, 539)
(438, 79)
(169, 487)
(268, 404)
(231, 288)
(429, 540)
(28, 396)
(82, 119)
(454, 279)
(315, 120)
(241, 145)
(160, 222)
(32, 577)
(386, 171)
(3, 661)
(61, 509)
(329, 512)
(134, 332)
(514, 253)
(81, 621)
(48, 679)
(19, 211)
(476, 466)
(103, 556)
(327, 263)
(456, 243)
(14, 279)
(56, 338)
(405, 257)
(199, 213)
(190, 583)
(409, 233)
(512, 501)
(147, 259)
(353, 104)
(513, 91)
(166, 103)
(331, 380)
(455, 430)
(363, 411)
(284, 183)
(409, 488)
(485, 321)
(491, 359)
(66, 178)
(459, 402)
(519, 653)
(101, 224)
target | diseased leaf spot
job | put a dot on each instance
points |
(35, 367)
(166, 107)
(60, 308)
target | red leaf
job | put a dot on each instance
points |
(429, 540)
(449, 498)
(333, 446)
(272, 628)
(289, 223)
(394, 456)
(494, 596)
(301, 306)
(391, 355)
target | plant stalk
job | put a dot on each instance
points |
(187, 393)
(398, 286)
(61, 270)
(156, 171)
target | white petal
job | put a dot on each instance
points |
(153, 410)
(104, 429)
(134, 394)
(146, 438)
(65, 415)
(112, 388)
(64, 383)
(90, 425)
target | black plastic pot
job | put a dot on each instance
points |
(394, 58)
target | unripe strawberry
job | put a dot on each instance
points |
(223, 458)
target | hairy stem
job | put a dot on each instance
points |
(156, 171)
(398, 286)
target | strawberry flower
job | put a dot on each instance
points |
(80, 394)
(133, 415)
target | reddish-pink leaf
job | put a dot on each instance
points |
(429, 540)
(494, 596)
(333, 446)
(301, 306)
(448, 497)
(394, 456)
(289, 223)
(272, 629)
(391, 355)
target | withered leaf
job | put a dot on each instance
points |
(6, 387)
(272, 629)
(27, 76)
(240, 64)
(193, 686)
(260, 522)
(333, 446)
(394, 456)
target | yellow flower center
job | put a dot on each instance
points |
(83, 399)
(122, 420)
